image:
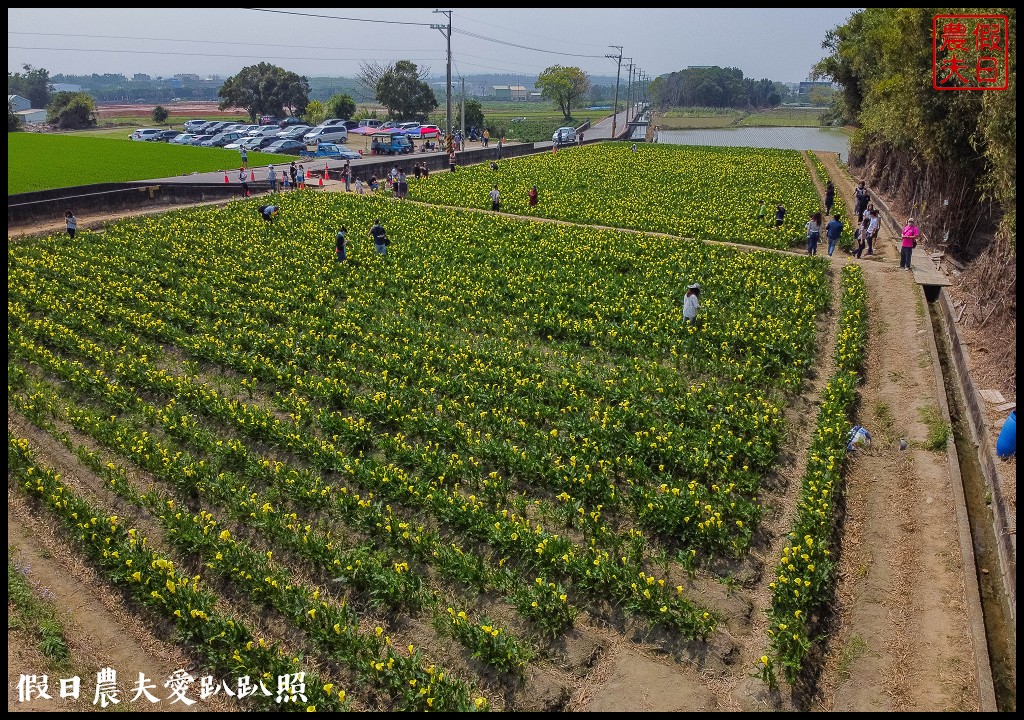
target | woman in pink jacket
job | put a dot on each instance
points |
(910, 235)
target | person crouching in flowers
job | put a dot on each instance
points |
(691, 304)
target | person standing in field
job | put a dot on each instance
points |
(403, 184)
(832, 232)
(830, 197)
(691, 304)
(380, 238)
(532, 196)
(451, 161)
(359, 186)
(425, 170)
(761, 212)
(910, 235)
(495, 199)
(341, 240)
(71, 222)
(780, 215)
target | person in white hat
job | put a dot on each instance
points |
(691, 303)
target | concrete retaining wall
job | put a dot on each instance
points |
(1003, 527)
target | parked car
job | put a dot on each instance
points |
(370, 122)
(351, 124)
(199, 139)
(193, 125)
(243, 141)
(333, 134)
(145, 134)
(246, 129)
(289, 122)
(215, 128)
(285, 147)
(181, 138)
(564, 136)
(330, 122)
(270, 120)
(295, 132)
(222, 139)
(389, 125)
(202, 129)
(166, 136)
(429, 131)
(234, 127)
(331, 150)
(265, 131)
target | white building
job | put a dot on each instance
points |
(32, 116)
(17, 103)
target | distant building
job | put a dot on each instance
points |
(536, 96)
(32, 116)
(501, 92)
(141, 77)
(518, 93)
(17, 103)
(67, 87)
(188, 77)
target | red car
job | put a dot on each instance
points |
(430, 131)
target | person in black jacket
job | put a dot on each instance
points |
(380, 238)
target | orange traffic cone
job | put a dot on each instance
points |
(322, 176)
(226, 177)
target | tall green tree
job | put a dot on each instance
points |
(563, 86)
(160, 115)
(474, 114)
(405, 93)
(71, 111)
(265, 89)
(316, 113)
(341, 106)
(33, 84)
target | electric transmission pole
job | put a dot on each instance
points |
(629, 90)
(615, 107)
(446, 30)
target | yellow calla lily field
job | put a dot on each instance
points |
(498, 428)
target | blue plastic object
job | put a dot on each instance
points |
(1006, 445)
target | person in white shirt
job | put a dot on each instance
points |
(495, 199)
(873, 227)
(691, 303)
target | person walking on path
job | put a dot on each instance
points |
(71, 222)
(780, 215)
(579, 138)
(300, 178)
(813, 228)
(380, 238)
(340, 241)
(451, 161)
(243, 179)
(294, 173)
(346, 172)
(285, 180)
(245, 158)
(359, 186)
(861, 199)
(487, 137)
(874, 223)
(832, 232)
(860, 236)
(272, 178)
(830, 197)
(501, 144)
(691, 304)
(532, 196)
(403, 184)
(910, 235)
(495, 199)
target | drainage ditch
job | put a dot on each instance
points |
(1000, 630)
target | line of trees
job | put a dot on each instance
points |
(714, 87)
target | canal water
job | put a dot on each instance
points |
(834, 140)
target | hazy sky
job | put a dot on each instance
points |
(779, 44)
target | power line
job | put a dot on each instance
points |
(190, 54)
(335, 17)
(522, 47)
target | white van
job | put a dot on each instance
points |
(331, 134)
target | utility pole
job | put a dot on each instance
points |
(446, 30)
(629, 89)
(463, 113)
(615, 107)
